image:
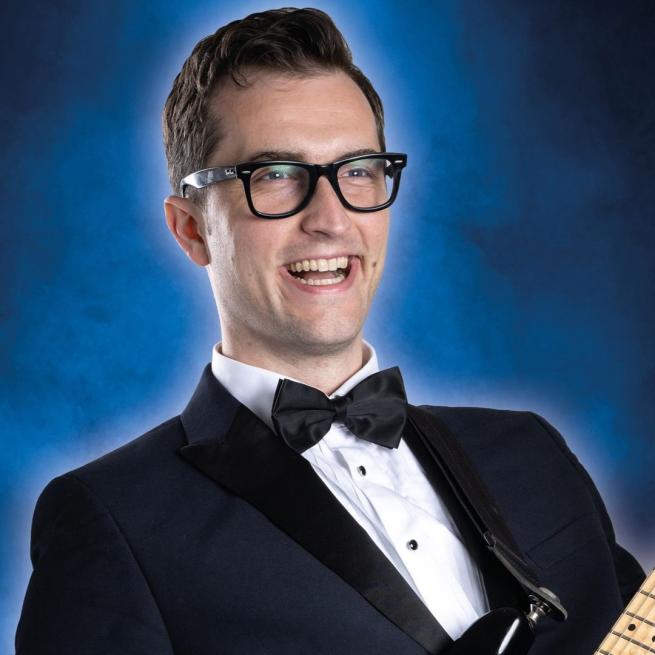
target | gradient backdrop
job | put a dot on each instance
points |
(521, 266)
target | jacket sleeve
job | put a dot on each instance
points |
(630, 575)
(87, 593)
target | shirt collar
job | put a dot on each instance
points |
(255, 387)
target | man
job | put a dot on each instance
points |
(267, 518)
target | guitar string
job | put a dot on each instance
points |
(644, 595)
(627, 642)
(613, 644)
(621, 638)
(617, 642)
(647, 597)
(649, 588)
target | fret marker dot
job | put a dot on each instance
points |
(361, 470)
(412, 544)
(632, 626)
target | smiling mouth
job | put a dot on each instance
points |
(321, 272)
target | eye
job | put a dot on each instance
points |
(363, 170)
(358, 172)
(276, 173)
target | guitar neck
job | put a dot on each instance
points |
(634, 632)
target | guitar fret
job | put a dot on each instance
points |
(641, 618)
(634, 641)
(635, 625)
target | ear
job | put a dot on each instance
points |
(184, 220)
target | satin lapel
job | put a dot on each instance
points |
(500, 587)
(253, 463)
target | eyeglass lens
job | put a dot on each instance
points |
(281, 188)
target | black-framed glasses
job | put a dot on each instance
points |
(278, 189)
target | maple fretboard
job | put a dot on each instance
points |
(634, 632)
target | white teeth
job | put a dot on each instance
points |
(322, 265)
(340, 277)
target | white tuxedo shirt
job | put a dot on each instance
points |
(386, 491)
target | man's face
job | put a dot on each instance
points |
(261, 304)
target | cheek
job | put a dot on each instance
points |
(378, 237)
(252, 253)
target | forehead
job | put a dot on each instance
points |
(320, 117)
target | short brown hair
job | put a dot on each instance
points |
(288, 40)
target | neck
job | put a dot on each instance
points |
(325, 371)
(633, 632)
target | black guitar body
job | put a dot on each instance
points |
(505, 631)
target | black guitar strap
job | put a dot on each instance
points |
(473, 496)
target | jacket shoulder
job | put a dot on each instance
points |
(81, 548)
(142, 453)
(484, 425)
(137, 480)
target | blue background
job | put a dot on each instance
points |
(520, 273)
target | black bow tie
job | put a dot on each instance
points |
(374, 410)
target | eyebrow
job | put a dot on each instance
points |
(287, 155)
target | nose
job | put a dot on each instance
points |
(325, 214)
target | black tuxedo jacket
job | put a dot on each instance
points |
(208, 535)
